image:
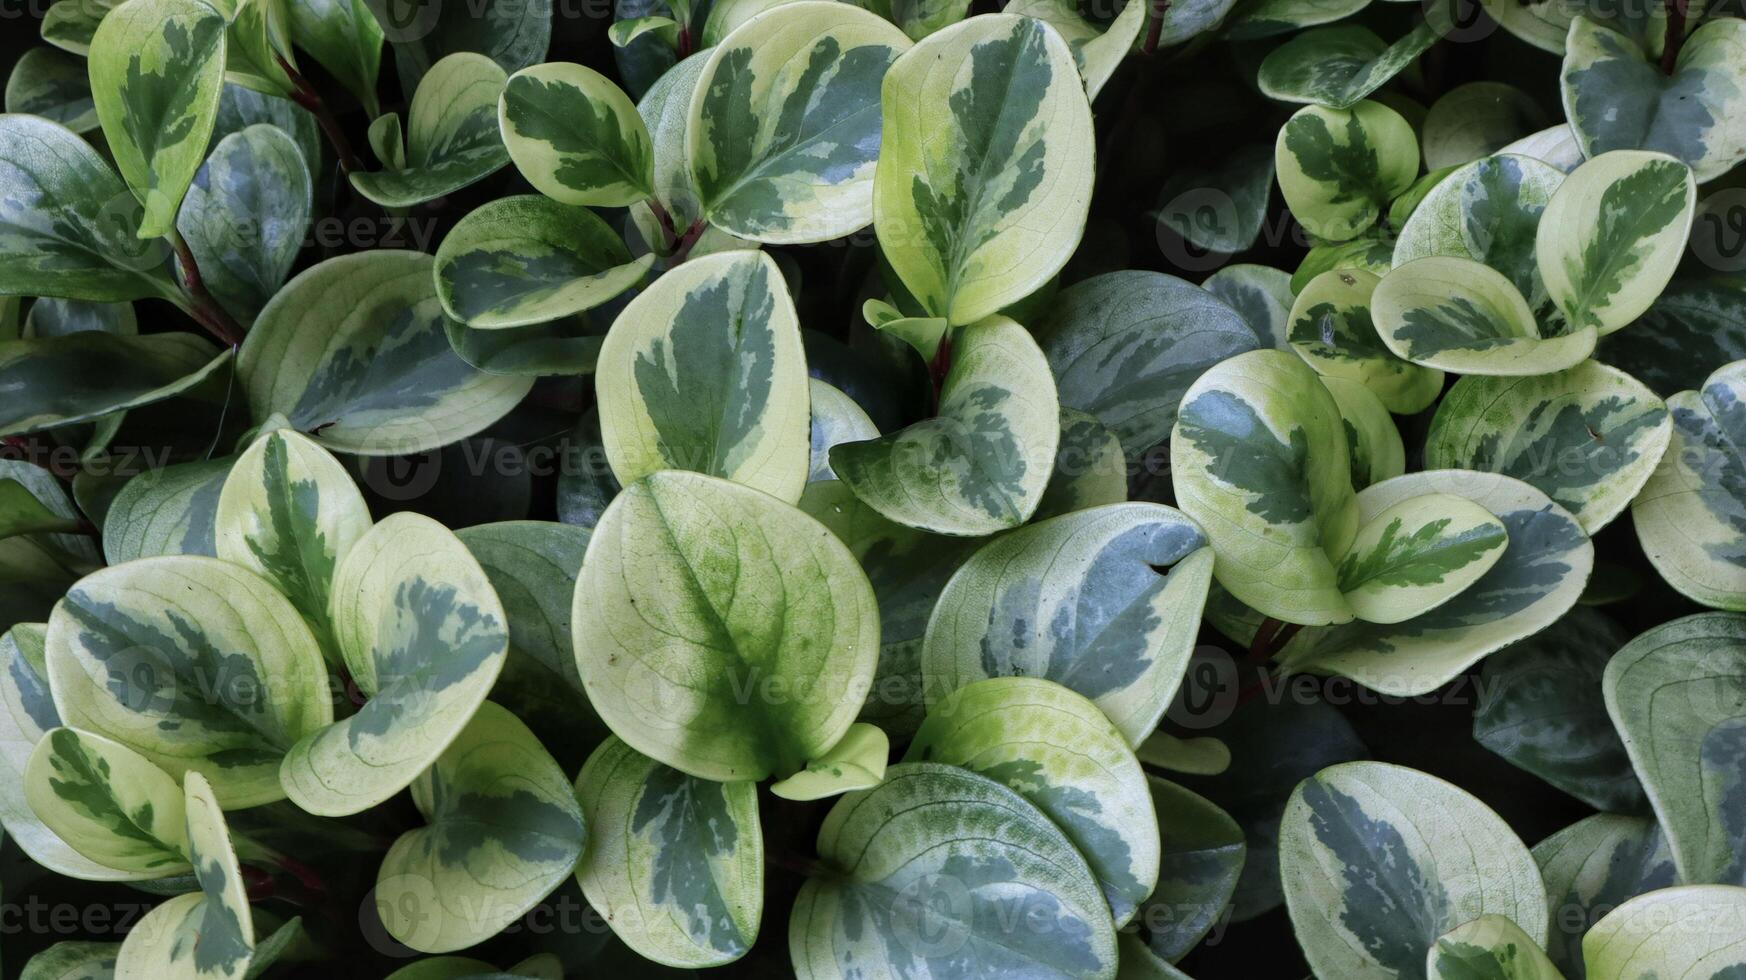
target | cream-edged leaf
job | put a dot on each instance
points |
(576, 136)
(452, 137)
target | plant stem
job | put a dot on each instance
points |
(1675, 37)
(206, 309)
(941, 366)
(305, 95)
(686, 241)
(1154, 24)
(664, 218)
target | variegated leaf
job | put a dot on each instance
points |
(1592, 867)
(1124, 346)
(239, 108)
(209, 933)
(504, 831)
(1488, 211)
(527, 259)
(1696, 326)
(1267, 18)
(857, 761)
(1617, 98)
(1203, 857)
(424, 637)
(785, 128)
(1698, 931)
(452, 135)
(1453, 313)
(1378, 861)
(576, 136)
(675, 863)
(168, 511)
(836, 419)
(1691, 514)
(1220, 206)
(1339, 168)
(246, 216)
(73, 959)
(196, 664)
(1080, 600)
(939, 852)
(673, 645)
(1331, 327)
(1589, 437)
(156, 70)
(353, 352)
(1476, 120)
(1261, 295)
(985, 168)
(1372, 438)
(570, 346)
(1338, 66)
(1259, 458)
(1547, 26)
(1099, 49)
(53, 317)
(512, 33)
(1417, 555)
(1555, 145)
(666, 111)
(1490, 946)
(52, 84)
(982, 464)
(109, 803)
(55, 381)
(1612, 234)
(257, 39)
(704, 371)
(1090, 469)
(1538, 579)
(1372, 251)
(344, 38)
(48, 513)
(71, 27)
(1056, 749)
(1677, 695)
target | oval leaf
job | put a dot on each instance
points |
(55, 381)
(576, 136)
(246, 216)
(1453, 313)
(1674, 932)
(451, 134)
(1330, 326)
(109, 803)
(1338, 168)
(1489, 946)
(1417, 555)
(1592, 867)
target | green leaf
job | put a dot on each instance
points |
(257, 39)
(52, 84)
(71, 959)
(1220, 208)
(938, 852)
(1546, 26)
(53, 317)
(1619, 99)
(662, 617)
(1612, 235)
(344, 38)
(1379, 861)
(1267, 18)
(1056, 749)
(982, 464)
(424, 637)
(1203, 756)
(1589, 437)
(1489, 946)
(166, 511)
(1259, 458)
(1203, 856)
(1695, 327)
(57, 381)
(570, 346)
(1677, 695)
(704, 371)
(1542, 710)
(1261, 295)
(452, 137)
(71, 27)
(666, 110)
(1331, 328)
(528, 260)
(1555, 145)
(239, 108)
(514, 35)
(22, 513)
(836, 419)
(504, 830)
(1339, 168)
(1371, 251)
(1338, 66)
(1124, 346)
(1104, 601)
(109, 803)
(576, 136)
(1592, 867)
(1475, 120)
(246, 216)
(1090, 469)
(675, 863)
(1691, 514)
(624, 32)
(156, 70)
(1674, 932)
(1098, 48)
(353, 352)
(1372, 438)
(856, 762)
(1417, 555)
(1455, 314)
(985, 169)
(785, 129)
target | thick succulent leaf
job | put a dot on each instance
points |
(939, 852)
(1488, 211)
(1490, 946)
(785, 131)
(452, 136)
(1695, 327)
(1339, 168)
(196, 664)
(204, 934)
(73, 959)
(109, 803)
(67, 221)
(1124, 346)
(52, 84)
(1099, 49)
(857, 761)
(982, 464)
(1417, 555)
(1612, 234)
(1057, 749)
(168, 511)
(71, 27)
(1592, 867)
(1341, 65)
(704, 371)
(1589, 437)
(836, 418)
(1691, 514)
(55, 381)
(1617, 99)
(344, 38)
(290, 511)
(1372, 438)
(1677, 695)
(1541, 708)
(156, 70)
(246, 216)
(908, 569)
(1259, 458)
(257, 39)
(1083, 600)
(576, 136)
(1453, 313)
(1378, 861)
(985, 167)
(671, 640)
(527, 260)
(513, 34)
(1693, 931)
(353, 352)
(1262, 295)
(424, 637)
(1539, 578)
(1090, 469)
(1331, 327)
(504, 830)
(1221, 207)
(675, 863)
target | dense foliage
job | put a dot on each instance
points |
(875, 489)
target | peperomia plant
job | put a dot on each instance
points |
(864, 489)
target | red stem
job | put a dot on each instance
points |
(1675, 37)
(207, 310)
(686, 241)
(305, 95)
(941, 366)
(1154, 23)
